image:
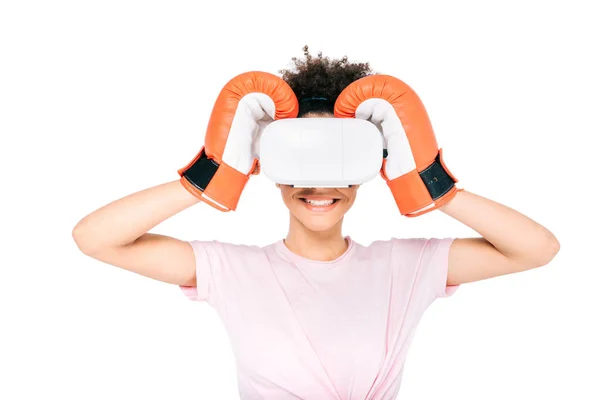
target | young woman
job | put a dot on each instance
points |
(316, 315)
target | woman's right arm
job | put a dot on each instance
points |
(117, 234)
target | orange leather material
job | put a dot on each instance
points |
(226, 186)
(382, 171)
(182, 170)
(409, 192)
(255, 167)
(219, 125)
(408, 107)
(407, 198)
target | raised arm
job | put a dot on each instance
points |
(511, 242)
(117, 234)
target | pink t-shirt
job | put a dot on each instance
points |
(303, 329)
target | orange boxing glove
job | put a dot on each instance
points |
(413, 168)
(245, 106)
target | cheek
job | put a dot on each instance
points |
(288, 199)
(350, 194)
(346, 205)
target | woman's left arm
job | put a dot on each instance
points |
(510, 242)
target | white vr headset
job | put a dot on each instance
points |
(321, 152)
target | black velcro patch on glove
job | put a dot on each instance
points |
(436, 179)
(201, 172)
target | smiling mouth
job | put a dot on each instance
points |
(319, 205)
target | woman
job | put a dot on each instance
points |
(316, 315)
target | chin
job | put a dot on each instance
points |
(318, 225)
(317, 220)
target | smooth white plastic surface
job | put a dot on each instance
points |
(321, 152)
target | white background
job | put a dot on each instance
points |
(102, 99)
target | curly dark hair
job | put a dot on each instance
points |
(318, 81)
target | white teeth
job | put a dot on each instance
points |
(319, 203)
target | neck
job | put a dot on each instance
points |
(319, 246)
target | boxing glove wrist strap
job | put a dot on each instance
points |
(216, 184)
(415, 191)
(200, 172)
(437, 179)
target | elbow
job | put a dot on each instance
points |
(80, 235)
(547, 251)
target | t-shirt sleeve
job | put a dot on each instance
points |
(433, 267)
(421, 266)
(204, 271)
